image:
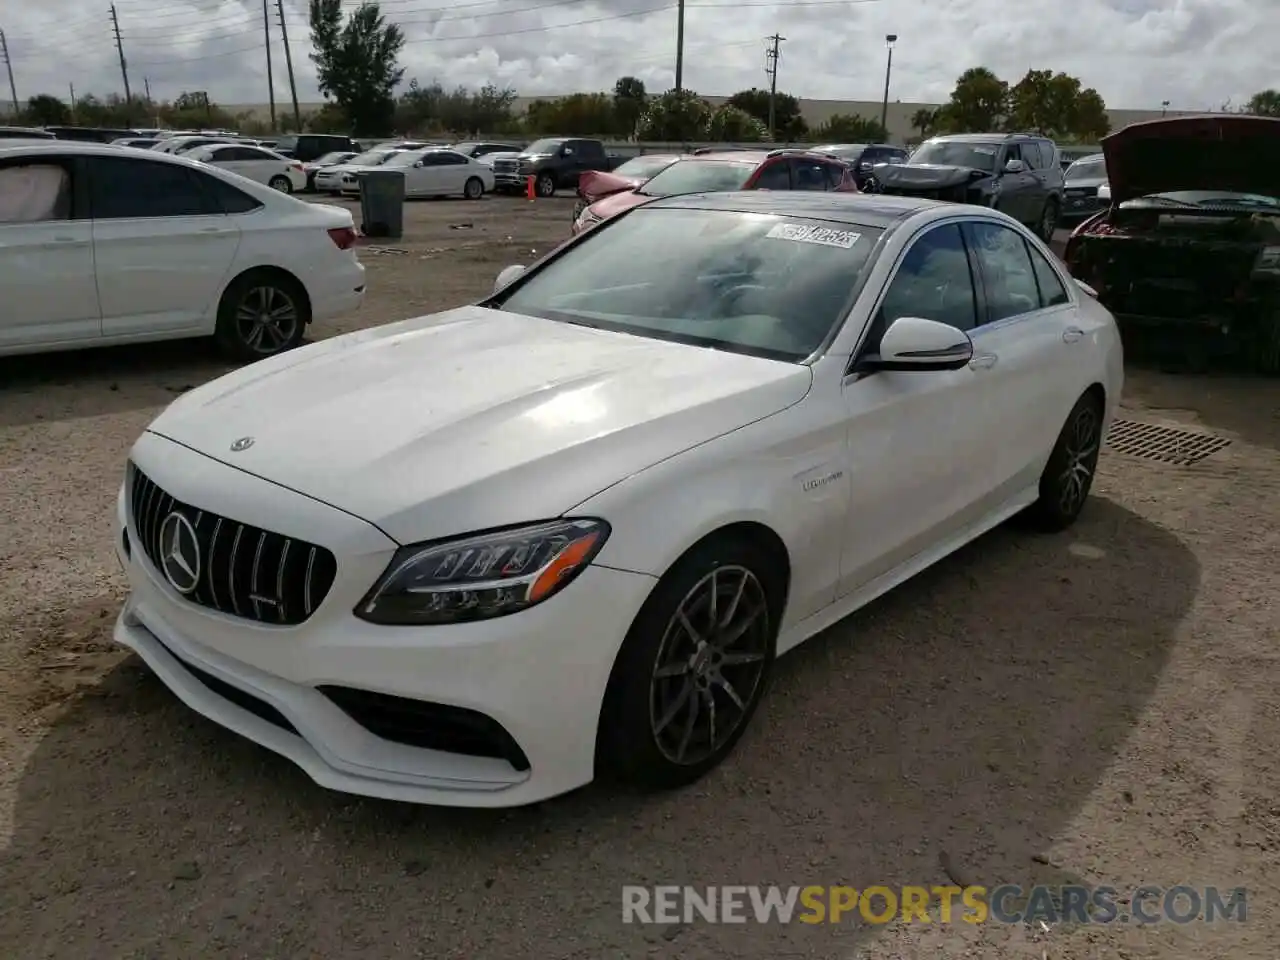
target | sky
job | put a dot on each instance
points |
(1196, 54)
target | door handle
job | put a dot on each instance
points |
(983, 361)
(66, 241)
(215, 230)
(1072, 334)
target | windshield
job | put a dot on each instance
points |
(286, 143)
(764, 285)
(698, 176)
(371, 158)
(951, 153)
(1210, 199)
(327, 158)
(643, 167)
(544, 146)
(1087, 170)
(846, 151)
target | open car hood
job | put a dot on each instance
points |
(595, 184)
(1217, 152)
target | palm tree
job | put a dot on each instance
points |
(924, 120)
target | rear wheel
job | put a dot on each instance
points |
(281, 183)
(473, 189)
(1068, 476)
(693, 668)
(262, 313)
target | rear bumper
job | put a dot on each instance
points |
(337, 291)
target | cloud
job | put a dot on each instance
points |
(1194, 53)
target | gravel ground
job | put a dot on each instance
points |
(1100, 706)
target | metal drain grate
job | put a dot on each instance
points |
(1165, 444)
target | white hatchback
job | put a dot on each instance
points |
(100, 245)
(257, 163)
(479, 557)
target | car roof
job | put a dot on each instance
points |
(753, 156)
(864, 209)
(989, 137)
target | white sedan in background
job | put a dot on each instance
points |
(104, 245)
(329, 179)
(434, 172)
(257, 163)
(481, 557)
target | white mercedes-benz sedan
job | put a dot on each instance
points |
(483, 557)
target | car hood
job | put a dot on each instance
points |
(594, 185)
(473, 418)
(617, 203)
(1219, 152)
(1083, 182)
(926, 176)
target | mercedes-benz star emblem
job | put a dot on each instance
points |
(180, 553)
(244, 443)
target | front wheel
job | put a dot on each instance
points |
(473, 189)
(1068, 476)
(693, 667)
(545, 185)
(281, 183)
(261, 313)
(1048, 220)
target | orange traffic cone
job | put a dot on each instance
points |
(528, 188)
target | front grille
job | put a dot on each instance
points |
(432, 726)
(505, 166)
(1075, 192)
(241, 570)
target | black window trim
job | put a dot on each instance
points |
(1030, 249)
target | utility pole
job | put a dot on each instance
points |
(8, 65)
(146, 87)
(288, 61)
(271, 81)
(679, 47)
(124, 67)
(71, 88)
(889, 40)
(771, 68)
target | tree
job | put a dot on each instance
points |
(1265, 103)
(787, 122)
(45, 110)
(629, 99)
(675, 116)
(1091, 121)
(1055, 105)
(925, 121)
(577, 115)
(849, 128)
(978, 104)
(731, 125)
(357, 63)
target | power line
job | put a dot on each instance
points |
(771, 68)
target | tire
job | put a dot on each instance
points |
(241, 335)
(1048, 220)
(281, 183)
(645, 716)
(1068, 476)
(545, 185)
(473, 189)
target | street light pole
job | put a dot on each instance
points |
(890, 39)
(1164, 107)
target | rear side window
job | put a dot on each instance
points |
(810, 175)
(37, 192)
(775, 176)
(227, 198)
(126, 188)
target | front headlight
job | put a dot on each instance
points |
(483, 575)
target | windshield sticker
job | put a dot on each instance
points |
(820, 235)
(985, 151)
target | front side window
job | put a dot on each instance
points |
(774, 176)
(125, 188)
(769, 286)
(1009, 277)
(933, 282)
(810, 175)
(1052, 292)
(698, 176)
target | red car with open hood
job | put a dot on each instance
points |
(727, 171)
(595, 185)
(1187, 256)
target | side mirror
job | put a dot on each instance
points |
(507, 275)
(865, 166)
(419, 163)
(1014, 166)
(913, 343)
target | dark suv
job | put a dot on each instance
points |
(1019, 174)
(312, 146)
(862, 159)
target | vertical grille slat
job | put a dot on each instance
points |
(235, 581)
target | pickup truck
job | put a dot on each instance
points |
(554, 163)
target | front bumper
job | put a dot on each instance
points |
(1077, 208)
(539, 674)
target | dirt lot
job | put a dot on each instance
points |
(1101, 706)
